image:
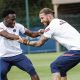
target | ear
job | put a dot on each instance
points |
(49, 16)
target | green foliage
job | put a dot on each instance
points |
(20, 7)
(34, 7)
(17, 5)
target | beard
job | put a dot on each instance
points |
(11, 25)
(46, 23)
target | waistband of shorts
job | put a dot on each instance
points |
(73, 52)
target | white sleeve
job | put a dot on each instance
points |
(21, 28)
(49, 31)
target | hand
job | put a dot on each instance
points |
(25, 41)
(20, 40)
(41, 31)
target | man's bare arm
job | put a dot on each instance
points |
(37, 43)
(9, 35)
(33, 34)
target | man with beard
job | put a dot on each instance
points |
(66, 35)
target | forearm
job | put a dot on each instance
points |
(38, 43)
(12, 36)
(33, 34)
(34, 43)
(9, 35)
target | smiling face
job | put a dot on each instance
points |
(44, 19)
(10, 20)
(46, 15)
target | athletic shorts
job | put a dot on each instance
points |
(21, 61)
(65, 62)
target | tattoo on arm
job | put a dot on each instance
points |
(39, 42)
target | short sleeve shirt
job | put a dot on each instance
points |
(64, 33)
(9, 47)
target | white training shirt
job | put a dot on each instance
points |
(9, 47)
(64, 33)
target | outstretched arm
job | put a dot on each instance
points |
(36, 43)
(11, 36)
(33, 34)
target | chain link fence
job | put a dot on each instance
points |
(71, 14)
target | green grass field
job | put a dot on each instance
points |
(42, 64)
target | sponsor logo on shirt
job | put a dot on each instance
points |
(46, 30)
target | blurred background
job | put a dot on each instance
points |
(27, 14)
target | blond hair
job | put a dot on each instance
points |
(46, 11)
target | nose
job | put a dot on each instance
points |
(41, 21)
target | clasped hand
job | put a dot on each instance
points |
(23, 41)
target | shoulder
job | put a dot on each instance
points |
(1, 23)
(56, 20)
(54, 23)
(18, 24)
(2, 26)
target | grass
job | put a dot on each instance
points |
(42, 64)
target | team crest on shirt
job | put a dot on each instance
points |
(46, 30)
(14, 30)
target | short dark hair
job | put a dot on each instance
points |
(7, 12)
(46, 11)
